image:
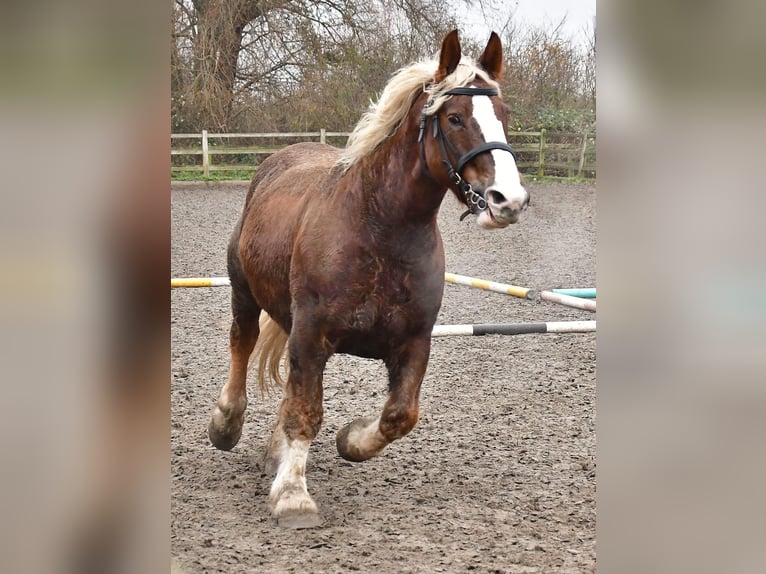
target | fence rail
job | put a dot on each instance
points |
(540, 153)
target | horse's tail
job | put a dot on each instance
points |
(271, 350)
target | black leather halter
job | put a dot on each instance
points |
(476, 202)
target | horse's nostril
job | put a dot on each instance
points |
(496, 197)
(507, 206)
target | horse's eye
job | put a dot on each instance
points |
(455, 120)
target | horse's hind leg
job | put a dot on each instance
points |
(225, 426)
(365, 438)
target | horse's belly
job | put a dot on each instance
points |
(379, 334)
(367, 345)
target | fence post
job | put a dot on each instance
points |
(582, 152)
(541, 156)
(205, 156)
(322, 134)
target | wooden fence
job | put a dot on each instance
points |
(539, 153)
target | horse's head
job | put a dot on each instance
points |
(463, 135)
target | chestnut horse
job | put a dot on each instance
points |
(341, 251)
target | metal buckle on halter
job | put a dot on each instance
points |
(451, 173)
(480, 202)
(423, 120)
(476, 203)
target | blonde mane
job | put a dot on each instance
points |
(385, 116)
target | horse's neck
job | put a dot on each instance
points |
(396, 188)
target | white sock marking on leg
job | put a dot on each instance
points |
(288, 491)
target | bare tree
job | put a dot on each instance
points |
(298, 64)
(548, 73)
(228, 53)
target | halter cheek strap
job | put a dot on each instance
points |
(475, 201)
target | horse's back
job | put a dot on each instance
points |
(293, 170)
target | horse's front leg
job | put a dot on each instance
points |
(300, 417)
(367, 437)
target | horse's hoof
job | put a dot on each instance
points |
(296, 509)
(347, 440)
(222, 440)
(224, 432)
(297, 520)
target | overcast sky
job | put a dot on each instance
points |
(579, 14)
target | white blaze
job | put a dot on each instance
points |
(507, 180)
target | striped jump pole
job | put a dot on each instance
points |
(513, 290)
(199, 282)
(587, 293)
(568, 300)
(522, 292)
(514, 328)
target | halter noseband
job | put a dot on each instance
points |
(475, 201)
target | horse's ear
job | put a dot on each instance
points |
(449, 57)
(492, 58)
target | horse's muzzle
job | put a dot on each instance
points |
(506, 209)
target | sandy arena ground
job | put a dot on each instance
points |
(499, 474)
